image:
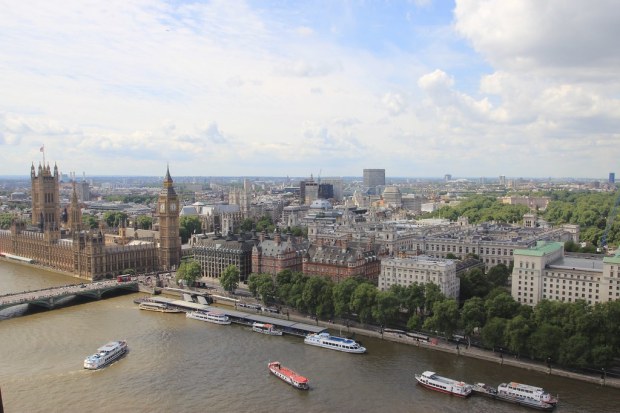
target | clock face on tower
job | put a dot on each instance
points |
(173, 207)
(162, 207)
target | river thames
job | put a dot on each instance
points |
(182, 365)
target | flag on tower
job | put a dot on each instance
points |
(42, 148)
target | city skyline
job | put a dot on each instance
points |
(233, 88)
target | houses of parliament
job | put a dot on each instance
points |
(57, 238)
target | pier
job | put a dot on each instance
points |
(239, 317)
(51, 298)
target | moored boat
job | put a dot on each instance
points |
(105, 355)
(489, 391)
(433, 381)
(160, 307)
(334, 342)
(209, 316)
(265, 328)
(294, 379)
(525, 391)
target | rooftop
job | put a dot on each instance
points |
(542, 248)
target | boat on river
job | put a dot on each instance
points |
(491, 392)
(209, 316)
(268, 329)
(289, 376)
(160, 307)
(526, 393)
(105, 355)
(326, 340)
(433, 381)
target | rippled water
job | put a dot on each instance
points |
(181, 365)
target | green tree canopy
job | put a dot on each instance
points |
(362, 301)
(189, 271)
(144, 222)
(189, 225)
(114, 219)
(229, 279)
(445, 318)
(90, 221)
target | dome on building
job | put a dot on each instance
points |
(320, 204)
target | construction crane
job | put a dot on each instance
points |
(610, 221)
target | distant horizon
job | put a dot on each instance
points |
(258, 177)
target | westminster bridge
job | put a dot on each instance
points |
(51, 298)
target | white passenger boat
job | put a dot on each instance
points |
(526, 391)
(160, 307)
(491, 392)
(432, 381)
(294, 379)
(335, 343)
(209, 316)
(105, 355)
(268, 329)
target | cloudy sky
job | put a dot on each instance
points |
(522, 88)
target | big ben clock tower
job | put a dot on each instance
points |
(168, 214)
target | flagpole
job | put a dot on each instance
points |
(43, 150)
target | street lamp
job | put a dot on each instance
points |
(549, 365)
(603, 375)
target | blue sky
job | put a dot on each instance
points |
(421, 88)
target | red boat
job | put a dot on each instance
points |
(288, 375)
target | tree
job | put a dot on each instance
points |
(265, 224)
(474, 284)
(5, 221)
(445, 317)
(473, 316)
(114, 219)
(89, 221)
(432, 294)
(502, 305)
(229, 279)
(545, 342)
(246, 225)
(188, 271)
(498, 275)
(362, 300)
(342, 293)
(493, 332)
(451, 256)
(262, 285)
(386, 307)
(144, 222)
(317, 296)
(517, 333)
(189, 225)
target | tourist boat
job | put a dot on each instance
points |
(268, 329)
(432, 381)
(526, 391)
(153, 306)
(105, 355)
(288, 375)
(489, 391)
(209, 316)
(335, 343)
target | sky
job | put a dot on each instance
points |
(421, 88)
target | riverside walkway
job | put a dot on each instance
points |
(52, 297)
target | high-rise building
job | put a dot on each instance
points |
(374, 178)
(502, 180)
(612, 177)
(447, 177)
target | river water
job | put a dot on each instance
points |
(182, 365)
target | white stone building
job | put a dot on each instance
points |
(421, 270)
(545, 272)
